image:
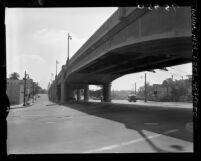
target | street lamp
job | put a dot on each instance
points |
(57, 62)
(69, 38)
(25, 75)
(33, 92)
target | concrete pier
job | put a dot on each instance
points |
(107, 92)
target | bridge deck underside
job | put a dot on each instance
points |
(136, 58)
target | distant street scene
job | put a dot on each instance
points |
(99, 80)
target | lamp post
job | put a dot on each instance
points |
(69, 38)
(57, 62)
(25, 74)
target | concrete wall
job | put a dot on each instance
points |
(15, 90)
(21, 95)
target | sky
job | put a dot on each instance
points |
(37, 37)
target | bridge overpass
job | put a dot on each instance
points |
(132, 40)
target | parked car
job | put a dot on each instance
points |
(95, 98)
(132, 98)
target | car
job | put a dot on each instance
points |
(132, 98)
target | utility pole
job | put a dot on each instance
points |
(69, 38)
(135, 87)
(33, 92)
(145, 88)
(25, 87)
(156, 92)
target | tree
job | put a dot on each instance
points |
(168, 82)
(14, 76)
(38, 89)
(179, 90)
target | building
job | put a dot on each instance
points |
(15, 90)
(158, 92)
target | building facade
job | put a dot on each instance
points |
(15, 90)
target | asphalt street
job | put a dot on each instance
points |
(95, 127)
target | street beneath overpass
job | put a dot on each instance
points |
(152, 103)
(94, 127)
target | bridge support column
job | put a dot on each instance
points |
(107, 92)
(63, 93)
(51, 93)
(59, 93)
(78, 95)
(86, 93)
(69, 92)
(54, 93)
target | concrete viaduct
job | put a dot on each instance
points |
(132, 40)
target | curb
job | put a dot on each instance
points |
(13, 108)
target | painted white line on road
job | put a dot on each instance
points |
(171, 131)
(50, 122)
(121, 144)
(129, 142)
(106, 148)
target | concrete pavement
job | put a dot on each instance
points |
(46, 127)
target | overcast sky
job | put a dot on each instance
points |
(37, 37)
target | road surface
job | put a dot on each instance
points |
(47, 127)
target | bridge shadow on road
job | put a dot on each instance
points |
(136, 117)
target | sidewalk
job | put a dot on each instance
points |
(30, 103)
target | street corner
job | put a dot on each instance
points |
(21, 106)
(189, 127)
